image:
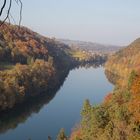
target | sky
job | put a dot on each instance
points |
(104, 21)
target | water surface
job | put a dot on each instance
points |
(63, 111)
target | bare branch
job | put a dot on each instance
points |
(12, 18)
(21, 5)
(10, 4)
(9, 19)
(3, 6)
(17, 2)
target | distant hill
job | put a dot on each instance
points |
(91, 46)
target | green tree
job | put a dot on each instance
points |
(86, 112)
(86, 108)
(61, 135)
(132, 76)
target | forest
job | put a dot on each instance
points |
(118, 116)
(31, 64)
(28, 64)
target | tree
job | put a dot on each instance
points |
(61, 135)
(8, 15)
(134, 104)
(132, 76)
(86, 112)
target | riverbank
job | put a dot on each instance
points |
(45, 116)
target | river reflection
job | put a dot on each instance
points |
(37, 118)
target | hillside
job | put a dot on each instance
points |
(22, 45)
(90, 46)
(125, 60)
(30, 64)
(118, 117)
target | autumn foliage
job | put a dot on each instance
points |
(108, 98)
(30, 64)
(134, 105)
(118, 117)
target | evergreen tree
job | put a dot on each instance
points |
(61, 135)
(86, 111)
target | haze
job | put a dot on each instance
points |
(104, 21)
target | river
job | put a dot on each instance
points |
(63, 111)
